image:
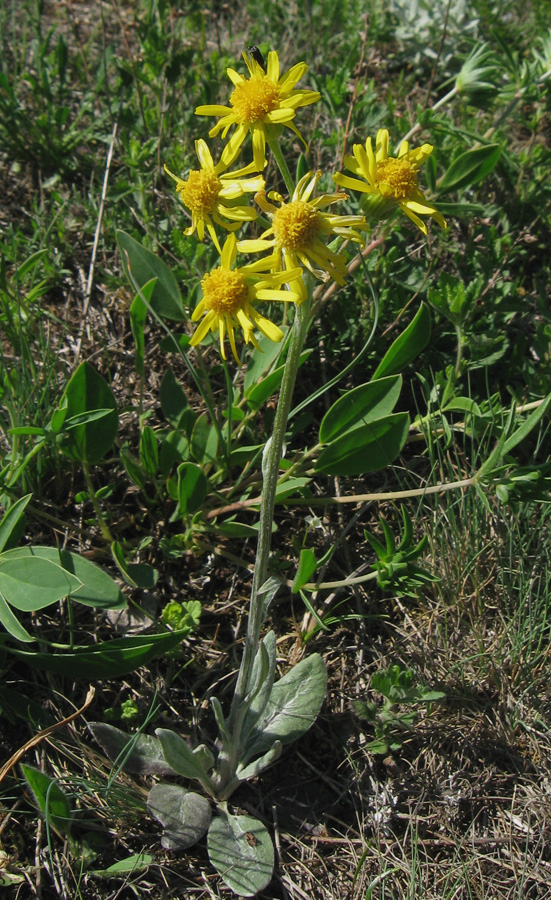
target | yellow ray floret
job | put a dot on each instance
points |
(230, 297)
(262, 104)
(210, 194)
(300, 228)
(393, 178)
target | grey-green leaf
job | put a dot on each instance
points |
(294, 704)
(184, 815)
(139, 753)
(241, 850)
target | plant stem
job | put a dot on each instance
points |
(270, 470)
(282, 165)
(94, 500)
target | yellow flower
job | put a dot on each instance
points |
(391, 178)
(299, 228)
(230, 295)
(262, 104)
(206, 191)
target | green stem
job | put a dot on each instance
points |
(270, 469)
(282, 165)
(97, 509)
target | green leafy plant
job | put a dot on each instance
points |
(394, 719)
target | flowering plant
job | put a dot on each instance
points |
(306, 240)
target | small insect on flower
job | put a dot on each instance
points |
(257, 55)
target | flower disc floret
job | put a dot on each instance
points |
(254, 99)
(391, 179)
(261, 105)
(224, 291)
(296, 225)
(200, 192)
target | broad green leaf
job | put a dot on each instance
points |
(184, 815)
(12, 521)
(32, 583)
(135, 863)
(294, 704)
(257, 394)
(140, 575)
(192, 488)
(307, 565)
(367, 448)
(291, 486)
(175, 405)
(141, 266)
(363, 404)
(138, 316)
(110, 659)
(139, 753)
(261, 360)
(49, 798)
(149, 451)
(241, 850)
(12, 624)
(204, 440)
(407, 346)
(96, 588)
(86, 392)
(174, 450)
(470, 168)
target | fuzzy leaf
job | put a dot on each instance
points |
(241, 850)
(184, 815)
(139, 753)
(293, 707)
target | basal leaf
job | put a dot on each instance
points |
(86, 392)
(140, 266)
(407, 346)
(366, 448)
(184, 815)
(241, 850)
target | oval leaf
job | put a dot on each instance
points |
(184, 815)
(32, 583)
(407, 346)
(96, 587)
(367, 448)
(139, 753)
(294, 704)
(140, 266)
(363, 404)
(86, 392)
(470, 168)
(49, 797)
(241, 850)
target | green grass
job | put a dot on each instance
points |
(94, 99)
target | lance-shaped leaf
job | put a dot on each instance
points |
(262, 680)
(241, 850)
(88, 392)
(184, 815)
(363, 404)
(49, 797)
(139, 753)
(243, 773)
(294, 704)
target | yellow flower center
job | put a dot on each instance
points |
(224, 291)
(200, 191)
(397, 178)
(252, 100)
(296, 225)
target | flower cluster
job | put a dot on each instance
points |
(300, 228)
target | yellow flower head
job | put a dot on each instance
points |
(391, 178)
(261, 104)
(230, 295)
(206, 191)
(299, 228)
